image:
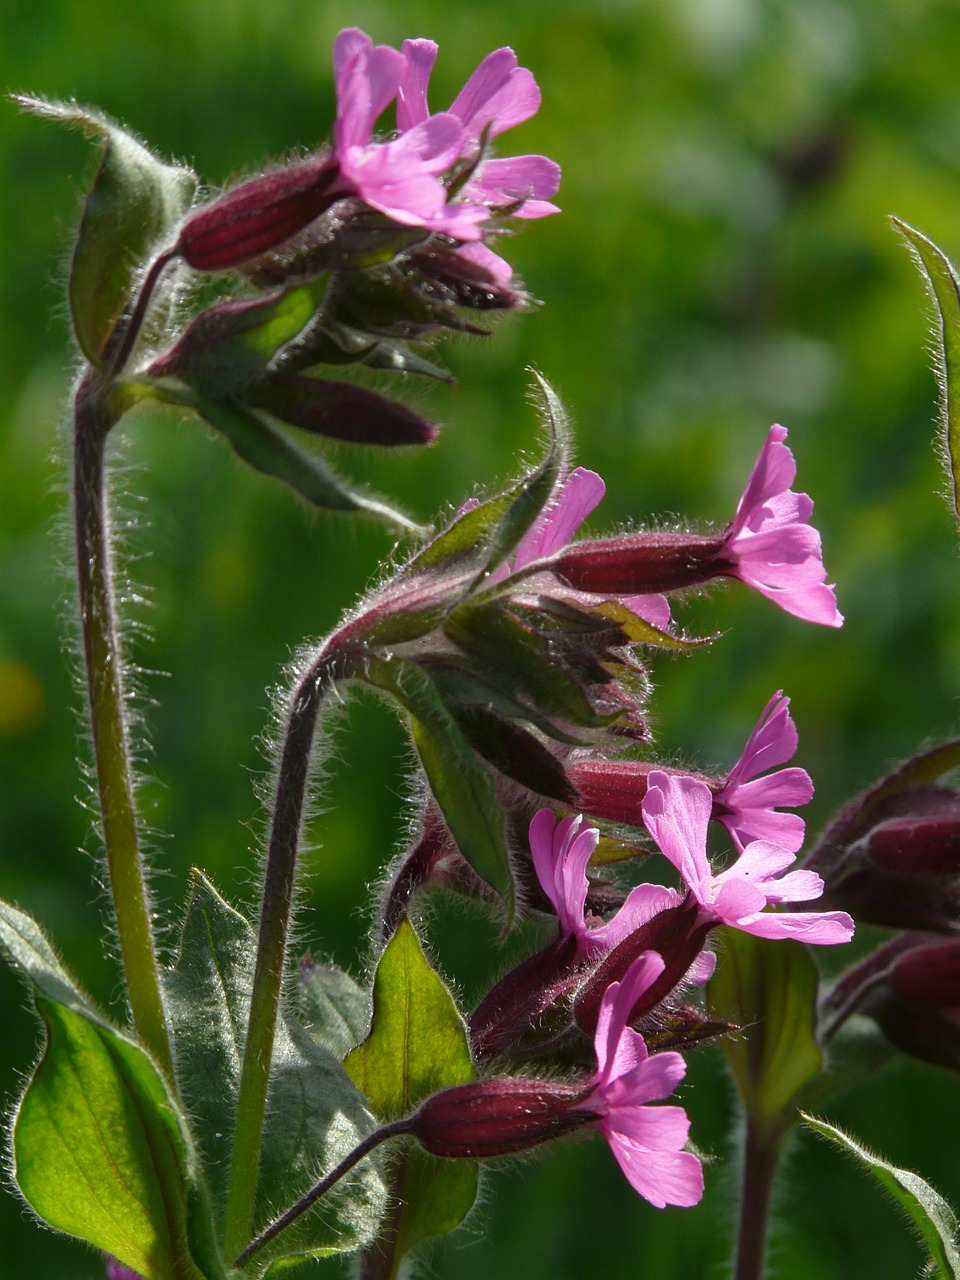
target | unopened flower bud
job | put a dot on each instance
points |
(463, 283)
(641, 563)
(678, 934)
(923, 846)
(520, 999)
(498, 1117)
(340, 410)
(928, 976)
(258, 215)
(614, 789)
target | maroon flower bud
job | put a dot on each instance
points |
(463, 283)
(923, 846)
(641, 563)
(340, 410)
(258, 215)
(928, 977)
(117, 1271)
(678, 934)
(498, 1117)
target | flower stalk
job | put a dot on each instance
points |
(761, 1157)
(104, 671)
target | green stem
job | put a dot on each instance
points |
(762, 1149)
(104, 670)
(275, 913)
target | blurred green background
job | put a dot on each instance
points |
(723, 260)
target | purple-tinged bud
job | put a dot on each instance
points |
(340, 410)
(258, 215)
(464, 283)
(498, 1117)
(683, 1027)
(678, 934)
(928, 976)
(418, 867)
(922, 846)
(641, 563)
(515, 1005)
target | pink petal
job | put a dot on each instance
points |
(650, 1080)
(798, 886)
(676, 811)
(751, 823)
(499, 94)
(702, 969)
(366, 82)
(348, 43)
(642, 903)
(482, 256)
(515, 178)
(573, 501)
(792, 786)
(615, 1008)
(773, 472)
(760, 861)
(653, 609)
(419, 57)
(661, 1177)
(737, 899)
(773, 741)
(823, 928)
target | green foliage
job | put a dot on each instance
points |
(100, 1150)
(941, 280)
(460, 783)
(934, 1220)
(315, 1115)
(336, 1008)
(135, 202)
(417, 1045)
(769, 989)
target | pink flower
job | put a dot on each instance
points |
(746, 803)
(677, 810)
(561, 852)
(401, 178)
(646, 1141)
(771, 546)
(499, 95)
(499, 1116)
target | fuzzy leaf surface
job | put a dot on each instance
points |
(417, 1045)
(99, 1151)
(460, 783)
(770, 989)
(336, 1008)
(934, 1220)
(135, 202)
(315, 1115)
(941, 280)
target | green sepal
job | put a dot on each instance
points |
(516, 752)
(638, 631)
(941, 280)
(135, 202)
(336, 1008)
(315, 1116)
(769, 988)
(934, 1220)
(387, 355)
(417, 1045)
(270, 450)
(227, 347)
(460, 783)
(466, 681)
(521, 660)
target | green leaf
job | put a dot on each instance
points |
(460, 784)
(135, 202)
(769, 988)
(26, 947)
(336, 1008)
(99, 1152)
(268, 449)
(941, 280)
(417, 1045)
(935, 1221)
(315, 1116)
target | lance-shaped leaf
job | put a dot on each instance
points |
(135, 202)
(417, 1045)
(941, 280)
(769, 988)
(315, 1116)
(460, 783)
(516, 752)
(934, 1220)
(268, 449)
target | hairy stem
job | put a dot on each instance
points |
(393, 1130)
(104, 671)
(275, 914)
(761, 1156)
(381, 1259)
